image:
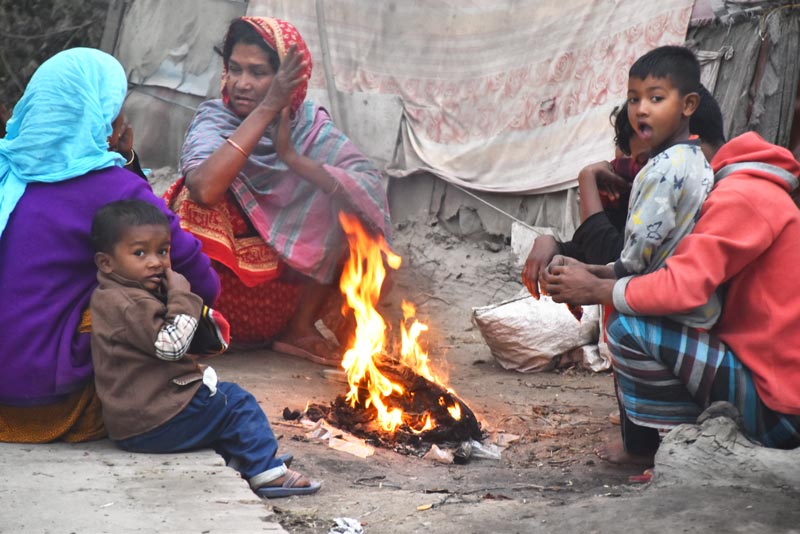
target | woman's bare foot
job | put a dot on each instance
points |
(615, 453)
(309, 344)
(302, 327)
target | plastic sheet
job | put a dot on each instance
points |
(337, 439)
(346, 525)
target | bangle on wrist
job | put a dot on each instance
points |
(336, 187)
(133, 156)
(235, 145)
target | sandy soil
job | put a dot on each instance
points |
(549, 480)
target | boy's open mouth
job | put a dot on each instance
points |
(645, 131)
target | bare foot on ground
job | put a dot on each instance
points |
(309, 344)
(615, 453)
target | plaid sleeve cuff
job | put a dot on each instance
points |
(174, 338)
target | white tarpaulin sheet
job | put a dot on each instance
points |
(506, 96)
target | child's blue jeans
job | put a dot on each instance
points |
(231, 422)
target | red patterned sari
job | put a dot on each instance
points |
(254, 299)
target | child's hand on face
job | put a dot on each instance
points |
(176, 281)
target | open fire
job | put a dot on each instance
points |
(390, 397)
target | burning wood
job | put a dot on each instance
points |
(422, 402)
(389, 399)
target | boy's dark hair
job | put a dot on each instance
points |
(706, 121)
(241, 31)
(623, 131)
(114, 218)
(677, 63)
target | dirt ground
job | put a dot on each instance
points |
(549, 480)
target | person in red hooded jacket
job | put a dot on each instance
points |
(746, 242)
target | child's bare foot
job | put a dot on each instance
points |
(615, 453)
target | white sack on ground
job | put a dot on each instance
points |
(529, 335)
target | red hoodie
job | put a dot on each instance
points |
(748, 235)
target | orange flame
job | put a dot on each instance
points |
(361, 283)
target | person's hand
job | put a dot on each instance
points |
(121, 139)
(289, 76)
(282, 137)
(175, 281)
(568, 280)
(125, 143)
(565, 261)
(610, 185)
(544, 249)
(4, 116)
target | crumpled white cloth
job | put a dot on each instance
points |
(346, 525)
(210, 380)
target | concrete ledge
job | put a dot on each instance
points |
(95, 487)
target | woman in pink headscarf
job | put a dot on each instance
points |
(266, 174)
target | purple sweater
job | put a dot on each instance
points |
(47, 275)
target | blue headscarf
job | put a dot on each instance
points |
(60, 127)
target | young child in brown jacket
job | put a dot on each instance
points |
(146, 323)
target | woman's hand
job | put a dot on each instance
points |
(282, 138)
(125, 142)
(121, 138)
(309, 169)
(4, 116)
(289, 76)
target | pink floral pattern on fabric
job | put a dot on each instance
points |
(489, 90)
(456, 110)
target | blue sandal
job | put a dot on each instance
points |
(288, 488)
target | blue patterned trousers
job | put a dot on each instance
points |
(667, 373)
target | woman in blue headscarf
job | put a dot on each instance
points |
(57, 167)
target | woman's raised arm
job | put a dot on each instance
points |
(208, 182)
